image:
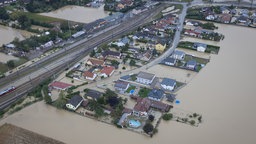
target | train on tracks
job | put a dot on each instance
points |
(6, 91)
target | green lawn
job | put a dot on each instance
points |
(144, 92)
(3, 68)
(130, 88)
(198, 60)
(20, 62)
(40, 18)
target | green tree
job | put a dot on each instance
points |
(132, 63)
(192, 122)
(47, 99)
(167, 117)
(24, 21)
(151, 118)
(3, 14)
(10, 64)
(60, 102)
(92, 54)
(148, 128)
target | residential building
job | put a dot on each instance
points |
(192, 23)
(121, 86)
(191, 64)
(74, 102)
(225, 18)
(170, 61)
(60, 85)
(95, 62)
(191, 33)
(200, 47)
(179, 55)
(156, 94)
(107, 71)
(145, 78)
(170, 97)
(89, 75)
(93, 94)
(112, 54)
(168, 84)
(242, 19)
(160, 47)
(224, 10)
(143, 105)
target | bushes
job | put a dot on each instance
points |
(148, 128)
(167, 116)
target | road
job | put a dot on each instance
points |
(70, 54)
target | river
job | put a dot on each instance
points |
(78, 13)
(223, 92)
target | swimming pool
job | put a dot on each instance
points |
(134, 123)
(132, 91)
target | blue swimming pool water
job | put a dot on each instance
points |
(132, 91)
(134, 123)
(177, 102)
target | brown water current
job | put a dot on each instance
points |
(223, 92)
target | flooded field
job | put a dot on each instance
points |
(8, 34)
(223, 92)
(4, 57)
(78, 13)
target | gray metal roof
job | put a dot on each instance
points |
(145, 75)
(179, 53)
(191, 63)
(94, 94)
(170, 60)
(75, 100)
(168, 82)
(121, 84)
(156, 93)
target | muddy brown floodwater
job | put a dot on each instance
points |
(223, 92)
(78, 13)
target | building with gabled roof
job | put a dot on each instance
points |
(74, 102)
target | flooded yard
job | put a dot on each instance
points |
(5, 58)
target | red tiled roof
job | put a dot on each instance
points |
(60, 85)
(107, 70)
(142, 105)
(96, 61)
(88, 74)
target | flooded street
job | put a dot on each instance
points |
(78, 13)
(223, 92)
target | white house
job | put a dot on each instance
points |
(107, 71)
(170, 61)
(180, 55)
(89, 75)
(145, 78)
(200, 47)
(210, 17)
(168, 84)
(74, 102)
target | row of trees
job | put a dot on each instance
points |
(37, 6)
